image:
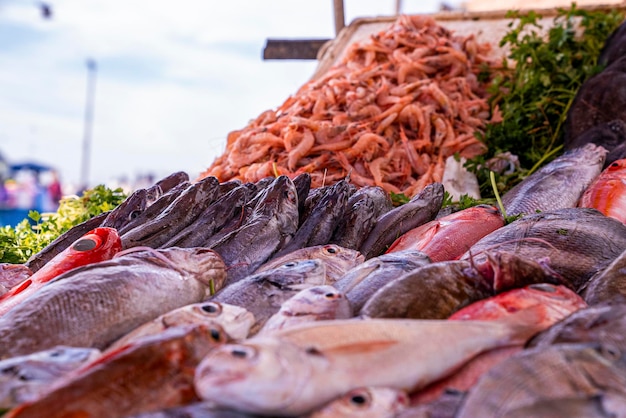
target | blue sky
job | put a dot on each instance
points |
(173, 77)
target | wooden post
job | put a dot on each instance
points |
(340, 21)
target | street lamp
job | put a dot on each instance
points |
(88, 121)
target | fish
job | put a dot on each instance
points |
(212, 219)
(337, 260)
(263, 293)
(604, 323)
(449, 237)
(302, 182)
(299, 369)
(614, 47)
(319, 226)
(154, 210)
(422, 208)
(610, 135)
(607, 193)
(433, 291)
(458, 181)
(195, 410)
(141, 199)
(368, 402)
(316, 303)
(607, 283)
(94, 305)
(12, 274)
(364, 207)
(25, 378)
(97, 245)
(234, 320)
(444, 406)
(273, 222)
(63, 241)
(572, 372)
(558, 184)
(363, 280)
(154, 373)
(575, 242)
(180, 213)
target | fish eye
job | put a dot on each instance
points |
(242, 352)
(212, 308)
(330, 295)
(332, 250)
(610, 352)
(359, 399)
(216, 335)
(87, 243)
(543, 287)
(134, 214)
(290, 264)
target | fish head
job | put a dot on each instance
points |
(263, 374)
(338, 260)
(323, 302)
(366, 402)
(204, 264)
(235, 320)
(296, 274)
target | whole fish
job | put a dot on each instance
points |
(558, 184)
(610, 135)
(12, 274)
(63, 241)
(97, 245)
(363, 280)
(604, 323)
(337, 260)
(297, 370)
(607, 283)
(154, 373)
(212, 219)
(94, 305)
(263, 293)
(449, 237)
(433, 291)
(154, 210)
(364, 207)
(272, 223)
(422, 208)
(316, 303)
(370, 402)
(608, 192)
(180, 213)
(318, 228)
(234, 320)
(141, 199)
(576, 242)
(25, 378)
(571, 372)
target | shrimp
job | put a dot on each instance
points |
(305, 145)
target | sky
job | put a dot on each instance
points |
(173, 78)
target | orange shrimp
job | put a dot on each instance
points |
(305, 145)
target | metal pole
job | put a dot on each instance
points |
(88, 122)
(340, 20)
(398, 7)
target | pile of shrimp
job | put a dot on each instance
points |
(389, 114)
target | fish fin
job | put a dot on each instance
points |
(362, 347)
(16, 289)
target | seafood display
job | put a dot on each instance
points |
(263, 289)
(389, 114)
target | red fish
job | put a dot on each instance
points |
(99, 244)
(555, 302)
(448, 237)
(608, 192)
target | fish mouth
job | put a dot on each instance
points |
(222, 378)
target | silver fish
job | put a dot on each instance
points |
(607, 283)
(94, 305)
(316, 303)
(369, 402)
(557, 185)
(25, 378)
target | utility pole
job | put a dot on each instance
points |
(92, 69)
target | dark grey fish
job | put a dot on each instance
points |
(600, 99)
(263, 293)
(142, 199)
(63, 241)
(422, 208)
(365, 206)
(303, 186)
(360, 283)
(604, 323)
(610, 135)
(195, 410)
(576, 242)
(614, 47)
(25, 378)
(155, 209)
(312, 198)
(180, 213)
(591, 406)
(434, 291)
(540, 376)
(318, 228)
(212, 219)
(272, 223)
(607, 283)
(558, 184)
(94, 305)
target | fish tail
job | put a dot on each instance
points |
(525, 324)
